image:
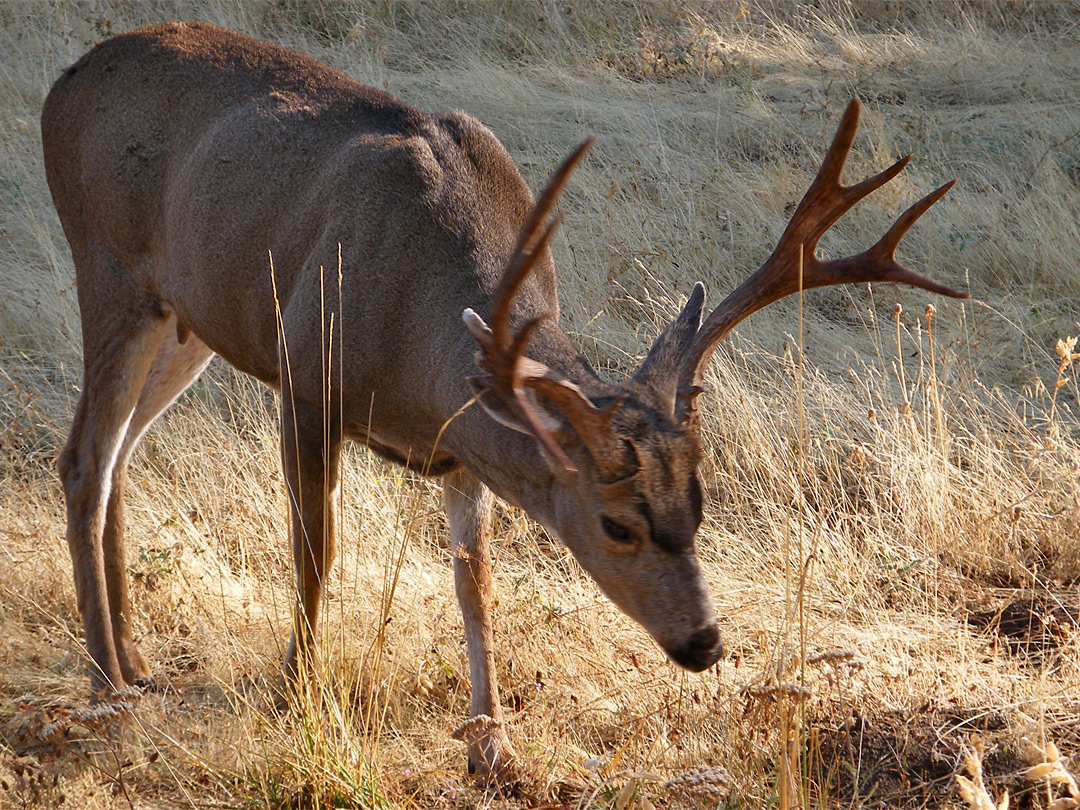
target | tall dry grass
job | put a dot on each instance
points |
(875, 481)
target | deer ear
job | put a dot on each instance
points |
(494, 406)
(544, 404)
(660, 371)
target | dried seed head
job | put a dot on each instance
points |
(102, 712)
(791, 691)
(113, 706)
(49, 730)
(424, 684)
(1054, 770)
(973, 791)
(700, 786)
(1064, 350)
(832, 657)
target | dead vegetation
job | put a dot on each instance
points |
(893, 525)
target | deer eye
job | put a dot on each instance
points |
(615, 530)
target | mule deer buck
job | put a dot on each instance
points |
(181, 156)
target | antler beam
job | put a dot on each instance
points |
(823, 204)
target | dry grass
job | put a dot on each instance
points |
(928, 472)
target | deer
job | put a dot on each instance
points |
(204, 181)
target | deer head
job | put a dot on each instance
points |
(626, 460)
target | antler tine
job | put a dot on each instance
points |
(846, 199)
(828, 193)
(887, 244)
(794, 264)
(832, 165)
(502, 353)
(534, 237)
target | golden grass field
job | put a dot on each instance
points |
(892, 530)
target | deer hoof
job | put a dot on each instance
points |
(133, 666)
(491, 756)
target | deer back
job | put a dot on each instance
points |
(201, 156)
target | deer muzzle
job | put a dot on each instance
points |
(701, 650)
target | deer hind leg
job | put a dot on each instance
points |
(120, 338)
(310, 449)
(468, 507)
(175, 366)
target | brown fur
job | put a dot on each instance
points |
(183, 158)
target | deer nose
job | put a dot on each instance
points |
(701, 651)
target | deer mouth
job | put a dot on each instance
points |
(701, 651)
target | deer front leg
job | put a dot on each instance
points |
(311, 448)
(468, 507)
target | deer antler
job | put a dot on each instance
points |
(501, 352)
(823, 204)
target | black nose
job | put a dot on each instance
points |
(701, 651)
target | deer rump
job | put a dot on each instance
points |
(212, 187)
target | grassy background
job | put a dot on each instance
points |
(928, 473)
